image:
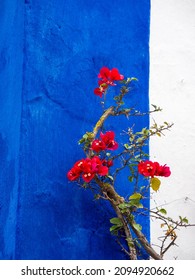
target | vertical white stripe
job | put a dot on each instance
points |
(172, 86)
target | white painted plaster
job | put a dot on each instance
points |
(172, 87)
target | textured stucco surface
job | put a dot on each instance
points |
(172, 86)
(11, 60)
(51, 52)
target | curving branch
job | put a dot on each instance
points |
(115, 199)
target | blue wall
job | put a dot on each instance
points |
(51, 52)
(11, 61)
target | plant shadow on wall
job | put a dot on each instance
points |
(102, 164)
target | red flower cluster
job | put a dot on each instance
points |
(107, 142)
(107, 77)
(149, 168)
(88, 168)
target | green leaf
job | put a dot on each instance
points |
(157, 108)
(132, 165)
(128, 80)
(145, 131)
(126, 146)
(135, 200)
(135, 196)
(81, 141)
(137, 226)
(116, 98)
(117, 225)
(85, 137)
(130, 178)
(185, 220)
(110, 177)
(130, 242)
(114, 228)
(155, 184)
(136, 203)
(116, 221)
(163, 211)
(123, 205)
(134, 79)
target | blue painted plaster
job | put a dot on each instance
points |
(51, 53)
(11, 61)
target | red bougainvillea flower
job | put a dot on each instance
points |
(109, 76)
(73, 174)
(87, 169)
(162, 170)
(151, 169)
(98, 145)
(93, 167)
(101, 89)
(88, 176)
(79, 165)
(108, 139)
(76, 171)
(107, 163)
(88, 172)
(146, 168)
(166, 172)
(98, 167)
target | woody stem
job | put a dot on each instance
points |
(110, 194)
(115, 200)
(99, 124)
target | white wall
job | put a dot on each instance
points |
(172, 87)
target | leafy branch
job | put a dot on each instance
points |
(95, 173)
